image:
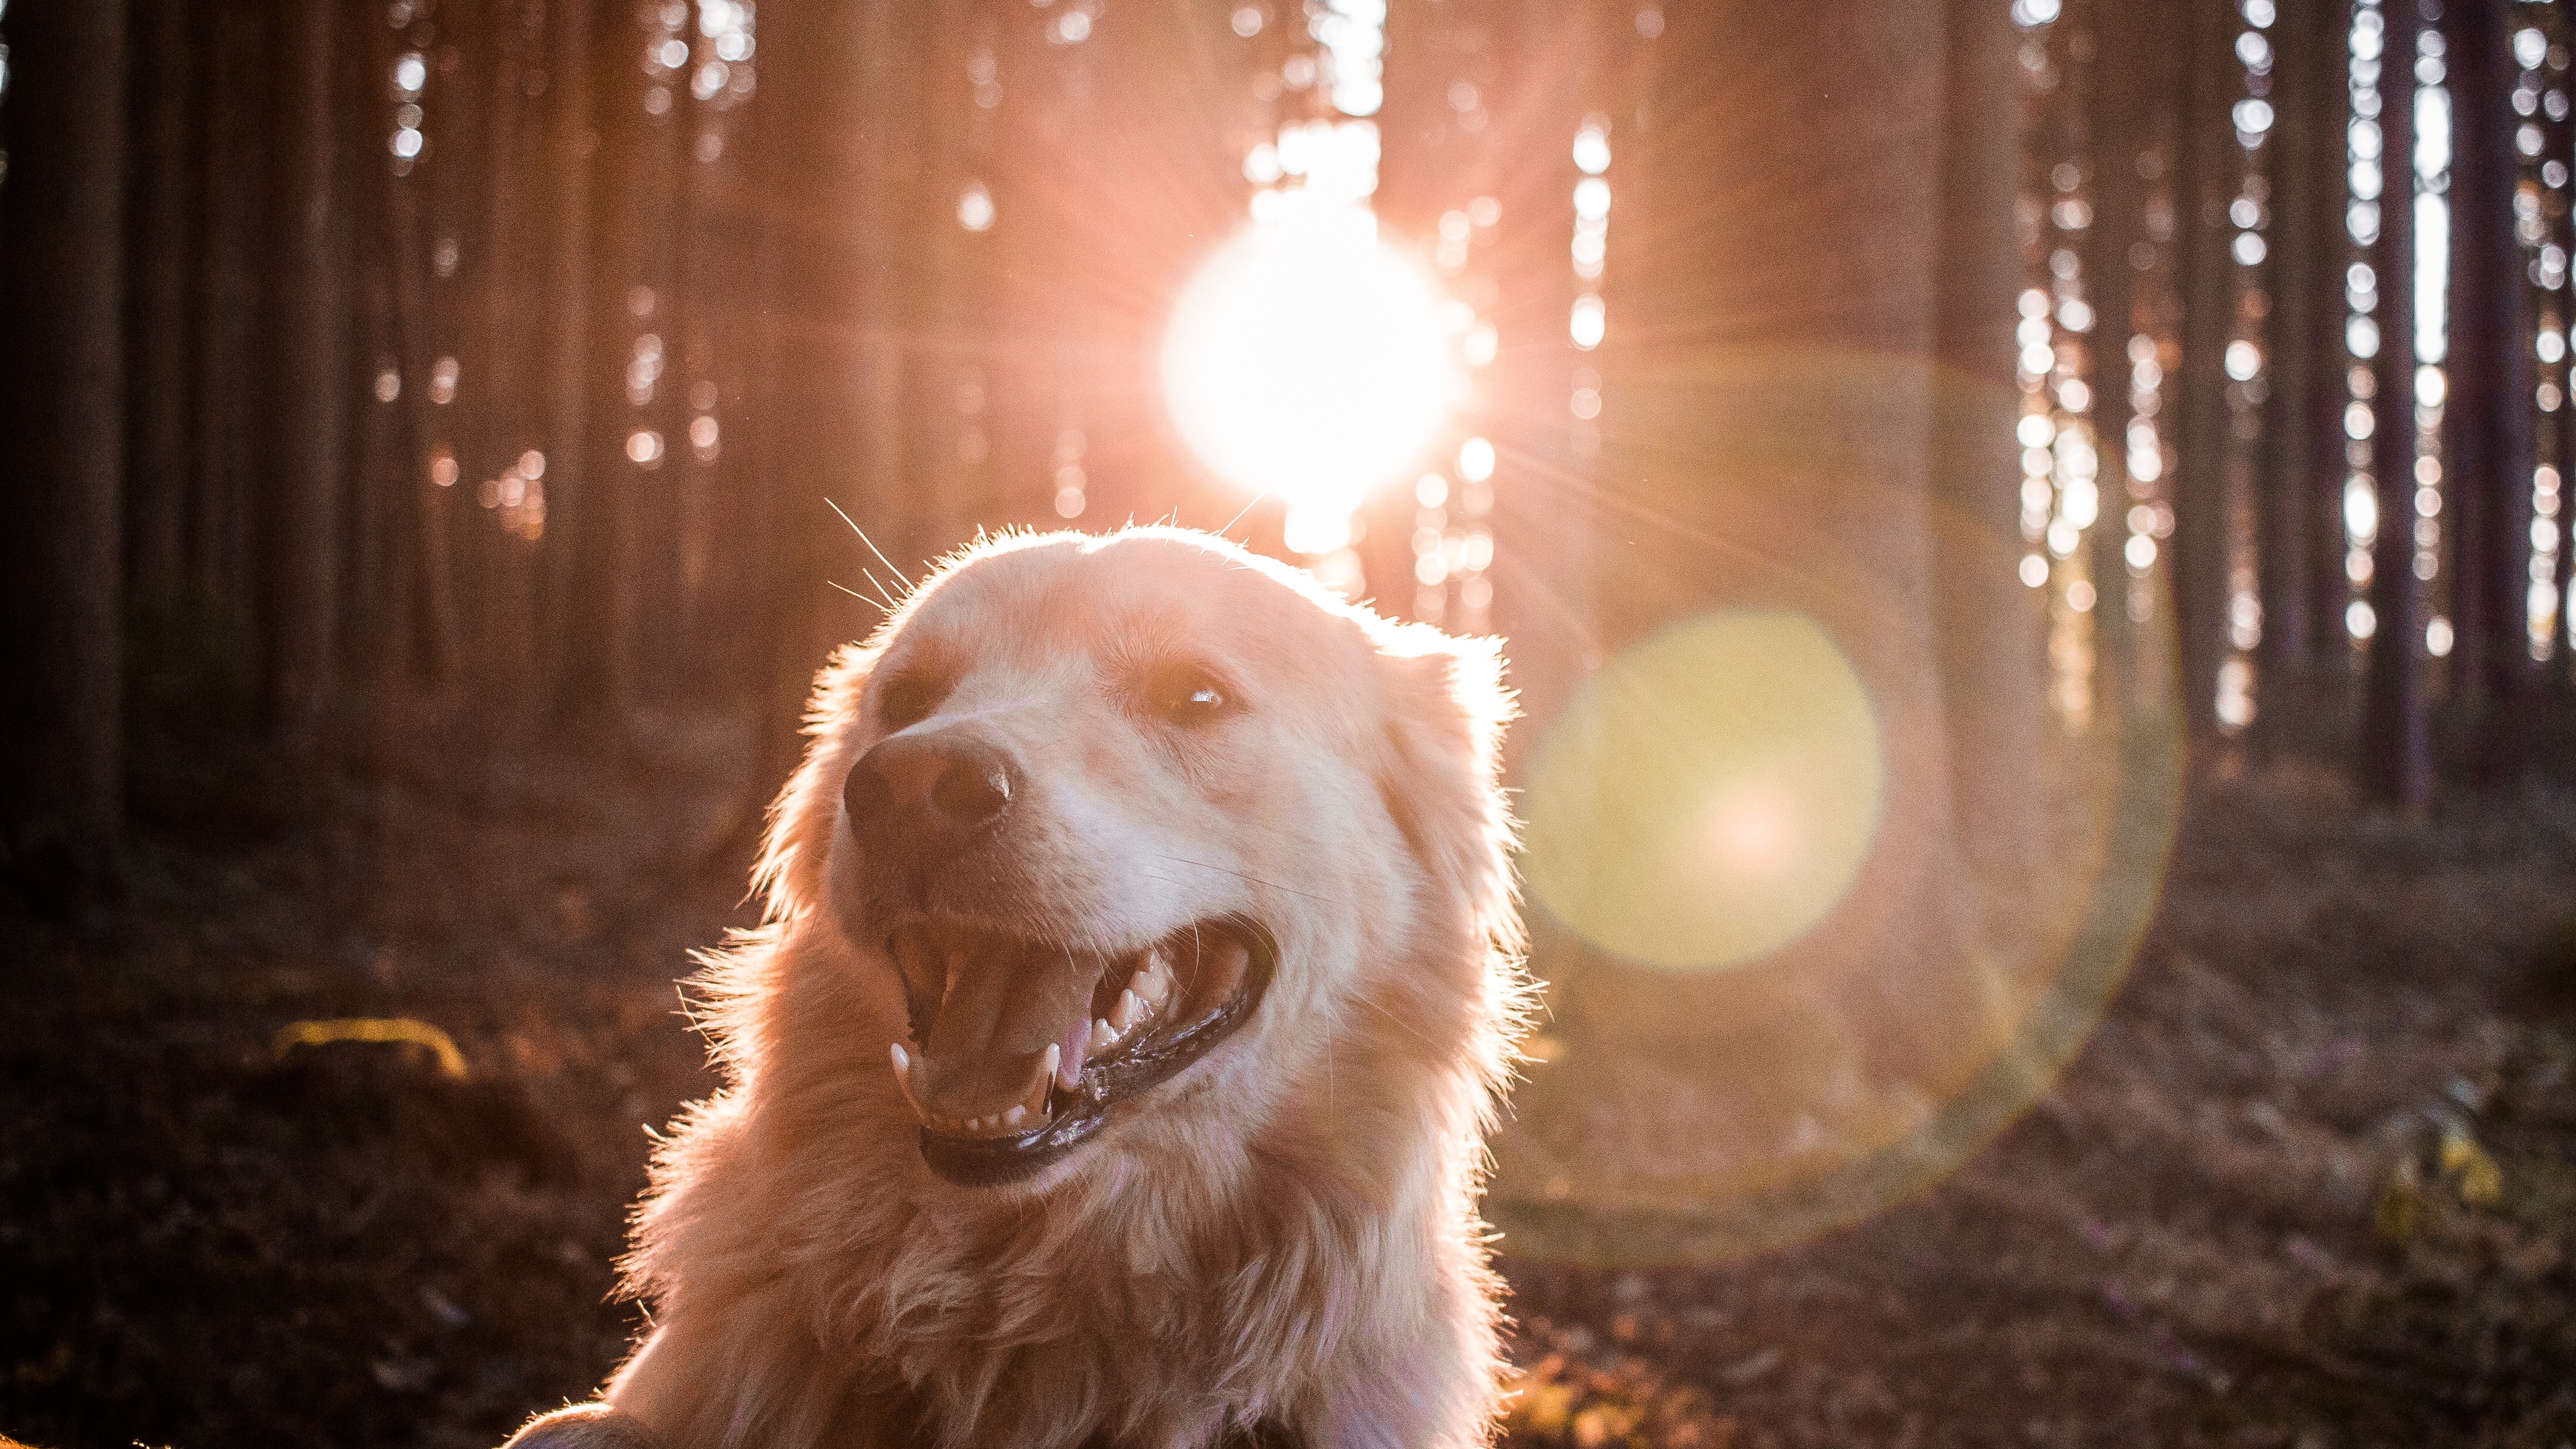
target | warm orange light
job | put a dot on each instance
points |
(1308, 361)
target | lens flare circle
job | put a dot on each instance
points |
(1306, 360)
(1710, 795)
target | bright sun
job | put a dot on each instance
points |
(1307, 361)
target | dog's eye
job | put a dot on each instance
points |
(1186, 694)
(907, 700)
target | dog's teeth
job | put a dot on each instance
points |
(903, 1079)
(1129, 1010)
(1015, 1116)
(1155, 981)
(1103, 1035)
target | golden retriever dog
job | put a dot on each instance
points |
(1139, 977)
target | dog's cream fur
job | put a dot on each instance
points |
(1283, 1236)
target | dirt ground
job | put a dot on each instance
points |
(2312, 1185)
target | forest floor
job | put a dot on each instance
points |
(2313, 1183)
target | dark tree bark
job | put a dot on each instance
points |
(228, 363)
(423, 601)
(574, 467)
(1991, 629)
(62, 388)
(2199, 545)
(501, 350)
(2556, 677)
(594, 523)
(2326, 103)
(2121, 129)
(831, 161)
(164, 189)
(2396, 744)
(2303, 344)
(2488, 421)
(300, 575)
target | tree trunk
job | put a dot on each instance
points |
(1992, 629)
(228, 370)
(2322, 192)
(2302, 348)
(163, 201)
(592, 674)
(831, 345)
(2488, 419)
(2556, 678)
(572, 472)
(425, 600)
(2396, 744)
(2203, 143)
(2132, 80)
(62, 387)
(1775, 457)
(302, 533)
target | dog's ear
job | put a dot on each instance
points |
(789, 876)
(1446, 705)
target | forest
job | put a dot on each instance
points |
(2065, 500)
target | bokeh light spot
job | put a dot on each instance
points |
(1710, 795)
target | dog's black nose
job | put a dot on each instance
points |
(931, 789)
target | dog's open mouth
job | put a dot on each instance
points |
(1021, 1050)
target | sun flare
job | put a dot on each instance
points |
(1308, 361)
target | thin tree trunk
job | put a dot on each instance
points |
(229, 334)
(2121, 129)
(2557, 679)
(163, 202)
(570, 475)
(832, 353)
(386, 468)
(2323, 191)
(1992, 628)
(62, 388)
(302, 533)
(2203, 140)
(592, 677)
(2489, 422)
(427, 598)
(2396, 744)
(2301, 350)
(505, 419)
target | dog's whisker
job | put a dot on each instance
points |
(886, 596)
(1240, 515)
(1254, 879)
(1416, 1032)
(870, 542)
(879, 604)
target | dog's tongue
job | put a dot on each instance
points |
(1076, 1045)
(1002, 1007)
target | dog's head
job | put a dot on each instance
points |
(1111, 810)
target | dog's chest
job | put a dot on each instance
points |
(1166, 1341)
